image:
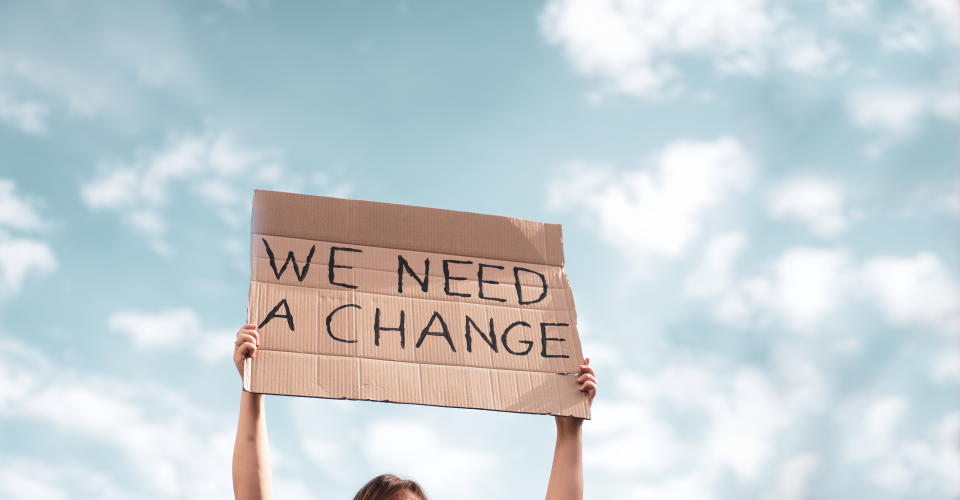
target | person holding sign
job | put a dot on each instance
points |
(251, 453)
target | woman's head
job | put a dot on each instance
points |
(390, 487)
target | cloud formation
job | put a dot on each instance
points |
(127, 47)
(633, 46)
(172, 329)
(816, 203)
(657, 209)
(210, 168)
(21, 254)
(176, 448)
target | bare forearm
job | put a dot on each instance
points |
(566, 475)
(251, 453)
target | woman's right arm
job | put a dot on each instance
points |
(251, 451)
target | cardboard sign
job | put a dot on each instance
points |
(382, 302)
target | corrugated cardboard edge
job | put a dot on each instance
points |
(410, 228)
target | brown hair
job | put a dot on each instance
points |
(385, 486)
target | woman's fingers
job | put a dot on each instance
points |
(245, 345)
(246, 337)
(248, 331)
(246, 349)
(589, 387)
(587, 377)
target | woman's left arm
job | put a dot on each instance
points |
(566, 475)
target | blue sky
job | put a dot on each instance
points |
(760, 205)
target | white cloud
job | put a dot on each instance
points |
(19, 482)
(917, 290)
(115, 189)
(17, 212)
(21, 256)
(922, 460)
(172, 329)
(796, 478)
(881, 421)
(23, 479)
(680, 430)
(946, 367)
(176, 448)
(850, 9)
(897, 111)
(633, 45)
(28, 116)
(946, 13)
(414, 449)
(715, 273)
(907, 36)
(817, 203)
(809, 55)
(656, 210)
(629, 43)
(212, 168)
(803, 286)
(92, 60)
(895, 114)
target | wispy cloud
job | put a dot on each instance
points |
(413, 448)
(89, 60)
(817, 203)
(176, 448)
(211, 168)
(172, 329)
(21, 253)
(656, 209)
(895, 114)
(735, 417)
(633, 46)
(804, 286)
(904, 458)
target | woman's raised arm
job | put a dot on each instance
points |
(251, 451)
(566, 475)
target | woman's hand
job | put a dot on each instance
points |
(588, 379)
(245, 346)
(566, 474)
(588, 384)
(251, 452)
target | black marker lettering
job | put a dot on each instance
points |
(543, 285)
(290, 260)
(447, 278)
(377, 329)
(403, 264)
(481, 281)
(330, 318)
(503, 339)
(445, 333)
(490, 340)
(273, 314)
(544, 339)
(331, 266)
